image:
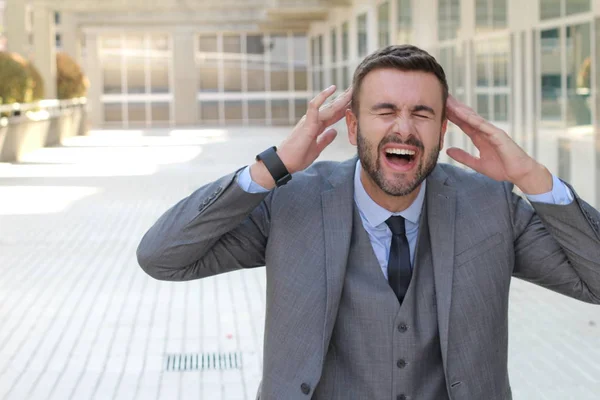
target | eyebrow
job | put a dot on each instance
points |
(390, 106)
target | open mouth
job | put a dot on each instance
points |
(401, 159)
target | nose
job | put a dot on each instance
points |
(403, 125)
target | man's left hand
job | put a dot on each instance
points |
(500, 158)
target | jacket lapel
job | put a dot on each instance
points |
(441, 214)
(337, 206)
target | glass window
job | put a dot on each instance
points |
(362, 35)
(300, 79)
(550, 9)
(161, 112)
(320, 50)
(551, 78)
(300, 107)
(300, 43)
(232, 75)
(577, 6)
(113, 112)
(500, 55)
(500, 107)
(209, 77)
(448, 19)
(383, 24)
(257, 111)
(233, 112)
(578, 75)
(483, 107)
(278, 50)
(280, 112)
(209, 111)
(232, 44)
(159, 76)
(58, 40)
(255, 45)
(346, 77)
(490, 15)
(256, 76)
(333, 38)
(404, 21)
(279, 76)
(111, 72)
(499, 14)
(208, 44)
(334, 79)
(481, 59)
(481, 15)
(345, 43)
(136, 75)
(137, 112)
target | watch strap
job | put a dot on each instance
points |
(275, 166)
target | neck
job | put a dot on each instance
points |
(391, 203)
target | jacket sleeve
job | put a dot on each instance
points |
(218, 228)
(558, 246)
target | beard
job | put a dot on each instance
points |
(401, 184)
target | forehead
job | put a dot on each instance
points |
(400, 88)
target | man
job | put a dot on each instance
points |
(387, 275)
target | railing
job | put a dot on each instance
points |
(49, 106)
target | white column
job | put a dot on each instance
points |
(44, 45)
(523, 70)
(425, 24)
(15, 26)
(70, 35)
(185, 85)
(93, 70)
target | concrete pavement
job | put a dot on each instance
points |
(80, 320)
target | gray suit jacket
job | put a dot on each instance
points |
(481, 233)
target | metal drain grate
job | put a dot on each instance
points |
(204, 361)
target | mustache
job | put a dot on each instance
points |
(410, 141)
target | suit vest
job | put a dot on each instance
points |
(379, 349)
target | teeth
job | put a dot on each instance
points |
(401, 152)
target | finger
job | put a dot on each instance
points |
(336, 110)
(312, 114)
(325, 139)
(464, 158)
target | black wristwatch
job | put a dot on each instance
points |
(275, 166)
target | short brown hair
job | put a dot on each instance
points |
(402, 57)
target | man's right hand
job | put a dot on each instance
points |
(309, 138)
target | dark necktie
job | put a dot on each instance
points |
(399, 271)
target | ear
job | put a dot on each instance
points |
(443, 132)
(352, 125)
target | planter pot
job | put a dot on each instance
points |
(22, 137)
(3, 132)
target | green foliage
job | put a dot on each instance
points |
(71, 82)
(38, 82)
(16, 84)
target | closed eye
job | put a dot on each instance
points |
(421, 116)
(388, 113)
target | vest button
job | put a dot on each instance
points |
(305, 387)
(401, 363)
(402, 328)
(401, 397)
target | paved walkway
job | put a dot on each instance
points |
(80, 320)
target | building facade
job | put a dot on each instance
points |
(531, 67)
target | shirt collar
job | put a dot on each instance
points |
(377, 215)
